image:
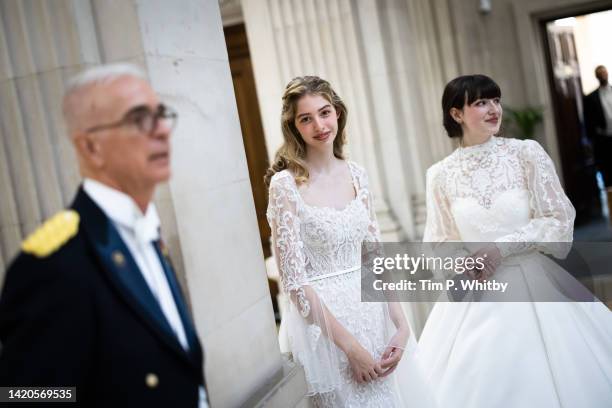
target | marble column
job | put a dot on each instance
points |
(38, 172)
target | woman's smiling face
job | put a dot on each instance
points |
(482, 118)
(317, 121)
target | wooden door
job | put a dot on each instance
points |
(577, 161)
(250, 123)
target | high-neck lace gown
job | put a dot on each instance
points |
(502, 354)
(318, 251)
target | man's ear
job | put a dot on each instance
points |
(89, 148)
(457, 114)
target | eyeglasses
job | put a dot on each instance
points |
(143, 118)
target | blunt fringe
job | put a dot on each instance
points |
(465, 90)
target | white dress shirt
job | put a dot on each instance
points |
(605, 95)
(139, 231)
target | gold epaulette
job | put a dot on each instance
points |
(54, 233)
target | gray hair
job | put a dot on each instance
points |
(100, 74)
(103, 74)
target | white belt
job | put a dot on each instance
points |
(329, 275)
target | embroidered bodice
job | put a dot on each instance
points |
(314, 241)
(504, 190)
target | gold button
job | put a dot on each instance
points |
(151, 380)
(118, 258)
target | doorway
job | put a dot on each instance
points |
(574, 45)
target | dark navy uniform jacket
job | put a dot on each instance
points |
(84, 316)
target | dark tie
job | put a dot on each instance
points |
(178, 298)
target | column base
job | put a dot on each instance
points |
(286, 389)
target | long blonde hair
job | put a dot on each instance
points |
(293, 151)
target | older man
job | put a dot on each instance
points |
(598, 121)
(91, 302)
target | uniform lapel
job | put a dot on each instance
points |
(122, 270)
(179, 300)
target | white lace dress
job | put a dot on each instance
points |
(511, 354)
(318, 250)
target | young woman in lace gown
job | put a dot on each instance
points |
(505, 192)
(320, 211)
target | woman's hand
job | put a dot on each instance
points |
(362, 364)
(492, 259)
(394, 351)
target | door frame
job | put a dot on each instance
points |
(529, 15)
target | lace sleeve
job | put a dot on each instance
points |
(372, 246)
(440, 225)
(375, 248)
(441, 237)
(552, 214)
(373, 233)
(285, 225)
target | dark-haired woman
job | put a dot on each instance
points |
(505, 194)
(320, 212)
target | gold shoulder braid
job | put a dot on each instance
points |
(54, 233)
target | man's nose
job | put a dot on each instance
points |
(162, 128)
